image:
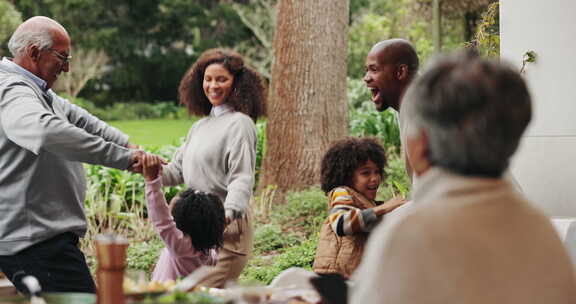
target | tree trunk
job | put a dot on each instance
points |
(308, 108)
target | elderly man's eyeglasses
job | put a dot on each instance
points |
(64, 58)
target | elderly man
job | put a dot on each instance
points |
(43, 142)
(468, 236)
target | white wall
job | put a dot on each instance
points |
(545, 165)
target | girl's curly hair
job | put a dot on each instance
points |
(345, 156)
(201, 216)
(248, 90)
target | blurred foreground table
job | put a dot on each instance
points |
(6, 287)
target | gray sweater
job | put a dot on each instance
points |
(43, 141)
(219, 157)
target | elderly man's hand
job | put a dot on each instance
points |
(136, 161)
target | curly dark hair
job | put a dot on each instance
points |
(345, 156)
(248, 90)
(201, 216)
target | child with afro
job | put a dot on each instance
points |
(351, 172)
(191, 227)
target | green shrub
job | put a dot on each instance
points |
(258, 271)
(169, 110)
(263, 269)
(357, 93)
(366, 121)
(487, 37)
(304, 211)
(144, 255)
(269, 237)
(133, 110)
(298, 256)
(129, 111)
(10, 19)
(397, 182)
(288, 236)
(363, 33)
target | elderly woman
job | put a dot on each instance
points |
(468, 236)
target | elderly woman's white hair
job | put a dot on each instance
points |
(473, 112)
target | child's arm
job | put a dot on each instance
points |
(158, 212)
(389, 205)
(346, 219)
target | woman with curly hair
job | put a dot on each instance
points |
(219, 155)
(351, 173)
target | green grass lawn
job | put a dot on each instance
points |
(154, 132)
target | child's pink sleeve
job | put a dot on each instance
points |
(175, 240)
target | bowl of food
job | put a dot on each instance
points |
(141, 289)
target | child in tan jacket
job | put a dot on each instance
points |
(351, 172)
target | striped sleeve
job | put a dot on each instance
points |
(345, 218)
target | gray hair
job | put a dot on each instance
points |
(23, 38)
(473, 112)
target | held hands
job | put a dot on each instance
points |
(151, 166)
(389, 206)
(137, 161)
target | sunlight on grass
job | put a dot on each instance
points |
(154, 132)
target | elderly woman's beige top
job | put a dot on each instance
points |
(465, 240)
